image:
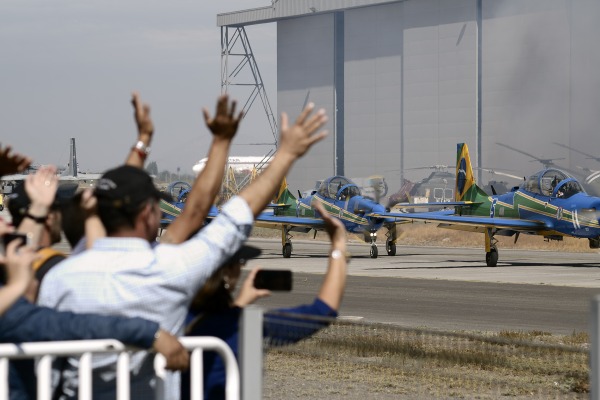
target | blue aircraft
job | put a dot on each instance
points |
(341, 198)
(550, 203)
(338, 195)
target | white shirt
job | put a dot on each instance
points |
(127, 277)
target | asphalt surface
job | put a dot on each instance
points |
(449, 288)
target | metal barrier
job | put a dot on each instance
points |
(86, 348)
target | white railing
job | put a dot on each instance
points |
(86, 348)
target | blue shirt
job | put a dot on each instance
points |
(25, 322)
(277, 330)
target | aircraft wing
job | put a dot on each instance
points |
(449, 218)
(438, 204)
(15, 177)
(271, 220)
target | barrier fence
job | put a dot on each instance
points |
(46, 351)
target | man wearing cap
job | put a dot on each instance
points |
(123, 274)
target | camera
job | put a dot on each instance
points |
(9, 237)
(274, 279)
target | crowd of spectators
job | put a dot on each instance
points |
(121, 282)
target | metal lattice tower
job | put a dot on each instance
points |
(236, 57)
(239, 68)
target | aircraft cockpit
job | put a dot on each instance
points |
(339, 188)
(552, 183)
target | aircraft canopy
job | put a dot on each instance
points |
(331, 186)
(552, 183)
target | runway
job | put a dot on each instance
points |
(449, 288)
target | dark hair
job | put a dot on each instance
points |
(116, 218)
(73, 220)
(213, 297)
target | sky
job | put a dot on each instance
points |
(68, 68)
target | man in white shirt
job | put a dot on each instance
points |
(123, 275)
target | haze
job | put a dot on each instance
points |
(68, 69)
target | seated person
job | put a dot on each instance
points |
(214, 312)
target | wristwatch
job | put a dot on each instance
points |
(338, 254)
(141, 148)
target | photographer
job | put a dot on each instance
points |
(213, 311)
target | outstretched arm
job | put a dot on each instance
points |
(295, 142)
(41, 189)
(332, 289)
(202, 196)
(145, 127)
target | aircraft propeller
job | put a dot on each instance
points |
(589, 156)
(546, 162)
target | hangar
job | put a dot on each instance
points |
(404, 81)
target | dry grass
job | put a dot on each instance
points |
(350, 362)
(419, 234)
(343, 360)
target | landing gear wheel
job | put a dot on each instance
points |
(390, 247)
(287, 250)
(373, 251)
(491, 257)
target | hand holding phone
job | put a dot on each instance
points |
(274, 279)
(9, 237)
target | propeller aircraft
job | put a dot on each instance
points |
(341, 198)
(588, 178)
(550, 203)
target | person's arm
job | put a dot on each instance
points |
(41, 189)
(25, 322)
(145, 127)
(332, 289)
(12, 163)
(206, 186)
(94, 229)
(294, 143)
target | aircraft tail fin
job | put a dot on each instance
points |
(466, 188)
(72, 166)
(284, 196)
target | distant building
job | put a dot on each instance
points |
(238, 164)
(405, 81)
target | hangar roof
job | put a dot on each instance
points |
(281, 9)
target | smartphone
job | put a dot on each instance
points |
(274, 279)
(9, 237)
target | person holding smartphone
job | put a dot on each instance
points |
(214, 312)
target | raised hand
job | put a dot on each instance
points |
(89, 203)
(248, 293)
(18, 264)
(41, 187)
(12, 163)
(297, 139)
(225, 123)
(333, 226)
(141, 114)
